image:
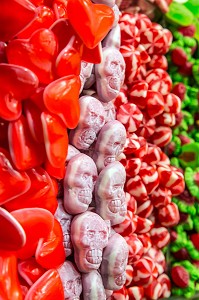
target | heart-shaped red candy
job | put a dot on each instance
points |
(25, 152)
(16, 83)
(61, 97)
(12, 235)
(91, 21)
(13, 182)
(56, 139)
(38, 53)
(14, 16)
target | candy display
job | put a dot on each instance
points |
(99, 149)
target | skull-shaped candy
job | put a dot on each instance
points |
(72, 151)
(85, 73)
(92, 119)
(71, 281)
(110, 143)
(79, 181)
(110, 112)
(110, 74)
(113, 38)
(114, 262)
(109, 193)
(65, 222)
(89, 235)
(93, 288)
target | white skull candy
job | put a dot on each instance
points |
(85, 73)
(71, 281)
(89, 234)
(79, 181)
(114, 262)
(92, 119)
(110, 144)
(65, 222)
(110, 112)
(93, 288)
(113, 38)
(72, 151)
(110, 74)
(110, 195)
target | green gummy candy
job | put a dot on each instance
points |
(189, 156)
(193, 6)
(179, 15)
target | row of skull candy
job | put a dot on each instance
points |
(100, 255)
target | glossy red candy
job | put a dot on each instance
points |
(47, 287)
(44, 19)
(56, 172)
(30, 270)
(25, 152)
(12, 235)
(16, 84)
(82, 15)
(14, 16)
(9, 283)
(40, 193)
(50, 251)
(9, 177)
(60, 9)
(92, 55)
(37, 53)
(61, 97)
(56, 139)
(37, 223)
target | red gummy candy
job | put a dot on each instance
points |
(180, 276)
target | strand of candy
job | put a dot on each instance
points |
(148, 110)
(183, 151)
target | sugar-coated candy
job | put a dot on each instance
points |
(79, 182)
(109, 193)
(109, 74)
(135, 248)
(169, 215)
(92, 119)
(145, 271)
(85, 73)
(138, 93)
(113, 38)
(164, 280)
(160, 237)
(136, 188)
(158, 61)
(161, 136)
(159, 81)
(150, 177)
(147, 126)
(65, 221)
(136, 146)
(110, 143)
(153, 290)
(144, 209)
(146, 241)
(92, 286)
(131, 203)
(120, 294)
(71, 280)
(172, 103)
(121, 98)
(110, 113)
(89, 235)
(129, 275)
(172, 178)
(132, 166)
(136, 292)
(132, 60)
(155, 103)
(128, 226)
(166, 119)
(114, 262)
(144, 225)
(153, 154)
(130, 116)
(153, 41)
(72, 151)
(158, 257)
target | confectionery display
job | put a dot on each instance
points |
(99, 149)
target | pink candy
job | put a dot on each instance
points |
(130, 116)
(145, 271)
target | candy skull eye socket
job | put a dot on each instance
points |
(91, 233)
(103, 234)
(63, 222)
(69, 284)
(113, 65)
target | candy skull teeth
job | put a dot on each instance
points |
(94, 256)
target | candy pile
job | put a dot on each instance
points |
(183, 150)
(148, 110)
